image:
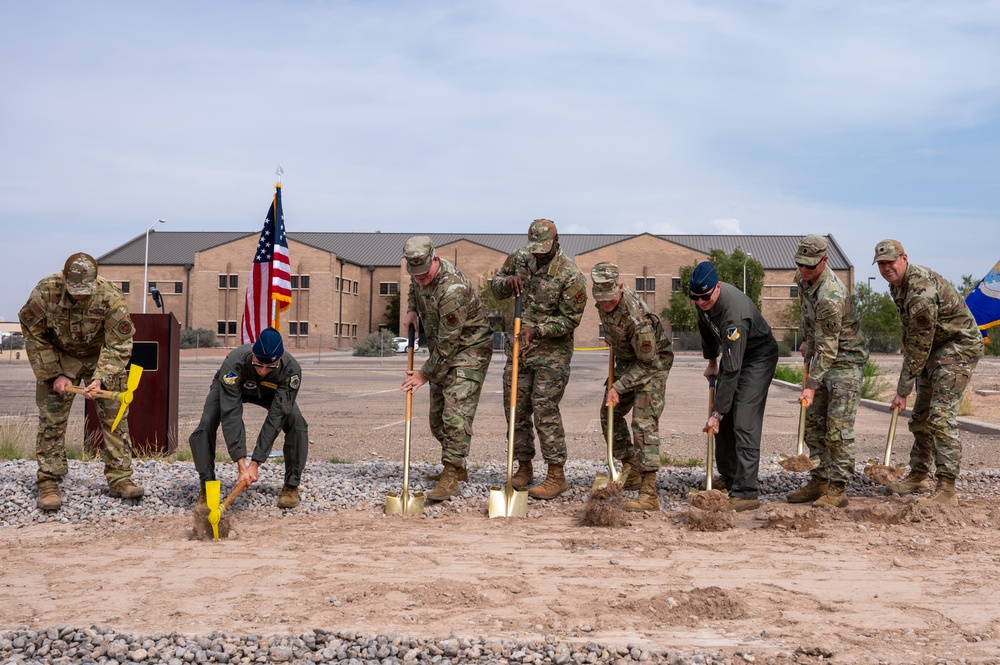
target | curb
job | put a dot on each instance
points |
(964, 424)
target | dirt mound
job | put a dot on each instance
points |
(692, 607)
(881, 474)
(703, 520)
(797, 463)
(202, 528)
(710, 500)
(604, 507)
(791, 520)
(914, 513)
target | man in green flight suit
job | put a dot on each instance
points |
(460, 346)
(77, 330)
(643, 357)
(263, 374)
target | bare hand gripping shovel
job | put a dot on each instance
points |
(123, 398)
(506, 501)
(405, 503)
(613, 475)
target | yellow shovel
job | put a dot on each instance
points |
(215, 509)
(404, 503)
(508, 502)
(124, 398)
(613, 475)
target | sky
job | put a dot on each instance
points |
(863, 119)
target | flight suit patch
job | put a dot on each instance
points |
(733, 334)
(294, 381)
(230, 379)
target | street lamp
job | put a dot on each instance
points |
(747, 256)
(145, 265)
(870, 280)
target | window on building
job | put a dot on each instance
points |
(232, 327)
(223, 281)
(336, 284)
(126, 287)
(178, 287)
(294, 281)
(388, 288)
(229, 281)
(298, 328)
(793, 291)
(645, 284)
(354, 330)
(303, 282)
(675, 284)
(303, 328)
(234, 281)
(355, 289)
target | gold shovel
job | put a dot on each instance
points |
(613, 475)
(710, 446)
(508, 502)
(124, 398)
(886, 473)
(405, 503)
(215, 508)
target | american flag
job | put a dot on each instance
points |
(269, 291)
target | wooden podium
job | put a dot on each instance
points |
(152, 416)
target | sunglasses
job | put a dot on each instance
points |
(706, 297)
(257, 364)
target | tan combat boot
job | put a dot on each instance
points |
(718, 483)
(914, 483)
(525, 474)
(813, 490)
(835, 497)
(944, 494)
(648, 498)
(463, 475)
(126, 489)
(289, 497)
(447, 486)
(48, 497)
(739, 504)
(633, 480)
(553, 485)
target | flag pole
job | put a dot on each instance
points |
(274, 303)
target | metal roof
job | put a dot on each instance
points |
(385, 249)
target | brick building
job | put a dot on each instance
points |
(342, 282)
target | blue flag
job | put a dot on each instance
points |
(984, 301)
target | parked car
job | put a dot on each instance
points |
(401, 343)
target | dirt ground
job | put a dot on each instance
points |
(883, 580)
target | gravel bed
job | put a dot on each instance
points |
(95, 644)
(172, 487)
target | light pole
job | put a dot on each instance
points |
(145, 265)
(870, 280)
(747, 256)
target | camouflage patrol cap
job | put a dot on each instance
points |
(541, 235)
(811, 250)
(605, 276)
(419, 254)
(888, 250)
(80, 274)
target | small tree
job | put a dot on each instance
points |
(880, 324)
(392, 313)
(498, 311)
(12, 341)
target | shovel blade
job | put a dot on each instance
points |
(504, 504)
(404, 504)
(600, 480)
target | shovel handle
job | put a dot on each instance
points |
(240, 486)
(516, 351)
(411, 336)
(892, 435)
(710, 444)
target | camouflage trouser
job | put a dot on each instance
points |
(53, 413)
(830, 424)
(539, 390)
(934, 423)
(453, 409)
(646, 404)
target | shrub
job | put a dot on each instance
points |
(376, 344)
(789, 373)
(194, 338)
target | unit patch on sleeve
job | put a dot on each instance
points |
(294, 381)
(452, 320)
(733, 334)
(647, 346)
(230, 378)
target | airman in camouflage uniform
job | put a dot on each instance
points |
(643, 357)
(460, 346)
(77, 330)
(554, 294)
(263, 374)
(941, 347)
(836, 355)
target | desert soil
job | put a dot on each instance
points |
(882, 580)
